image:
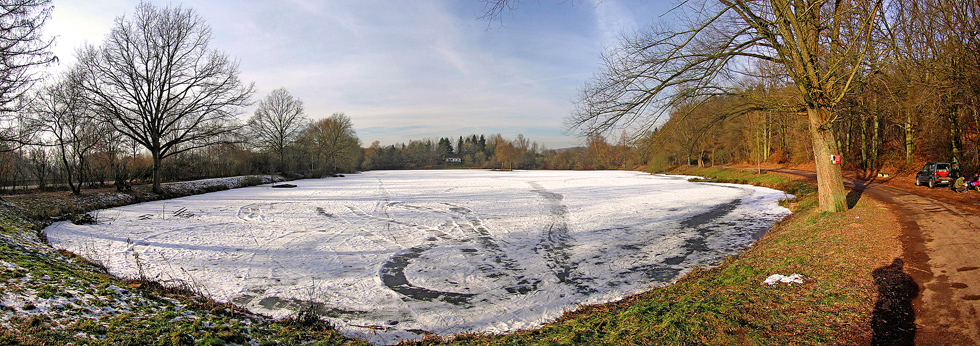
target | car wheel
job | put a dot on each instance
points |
(932, 183)
(917, 183)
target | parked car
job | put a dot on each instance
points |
(935, 173)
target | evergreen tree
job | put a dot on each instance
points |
(445, 147)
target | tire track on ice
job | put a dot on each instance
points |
(392, 272)
(556, 243)
(500, 265)
(496, 265)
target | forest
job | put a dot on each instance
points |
(913, 99)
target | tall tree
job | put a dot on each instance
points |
(333, 143)
(61, 110)
(819, 44)
(22, 49)
(277, 121)
(158, 83)
(445, 146)
(939, 41)
(40, 165)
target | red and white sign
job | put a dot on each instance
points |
(835, 159)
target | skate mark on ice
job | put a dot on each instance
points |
(700, 224)
(556, 243)
(277, 303)
(321, 211)
(393, 277)
(253, 212)
(360, 213)
(498, 263)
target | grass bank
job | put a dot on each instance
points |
(729, 305)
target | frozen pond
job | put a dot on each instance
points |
(388, 254)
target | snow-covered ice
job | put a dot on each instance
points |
(386, 253)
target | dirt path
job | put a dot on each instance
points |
(941, 239)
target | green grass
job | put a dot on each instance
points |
(750, 177)
(728, 304)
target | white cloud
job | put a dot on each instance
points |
(428, 69)
(612, 18)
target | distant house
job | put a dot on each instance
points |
(453, 158)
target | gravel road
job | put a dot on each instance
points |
(941, 240)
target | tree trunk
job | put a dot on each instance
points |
(156, 173)
(830, 183)
(69, 174)
(82, 177)
(766, 146)
(864, 143)
(874, 141)
(976, 143)
(955, 142)
(282, 161)
(909, 138)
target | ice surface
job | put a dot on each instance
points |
(382, 253)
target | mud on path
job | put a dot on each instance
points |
(941, 241)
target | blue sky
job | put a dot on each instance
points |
(404, 69)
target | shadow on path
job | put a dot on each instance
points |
(893, 318)
(856, 191)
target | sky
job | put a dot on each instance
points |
(403, 70)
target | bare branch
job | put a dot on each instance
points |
(158, 83)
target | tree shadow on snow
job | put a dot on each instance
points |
(893, 318)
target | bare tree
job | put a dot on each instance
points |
(22, 50)
(22, 47)
(333, 143)
(61, 109)
(157, 82)
(16, 128)
(938, 42)
(40, 164)
(277, 121)
(819, 44)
